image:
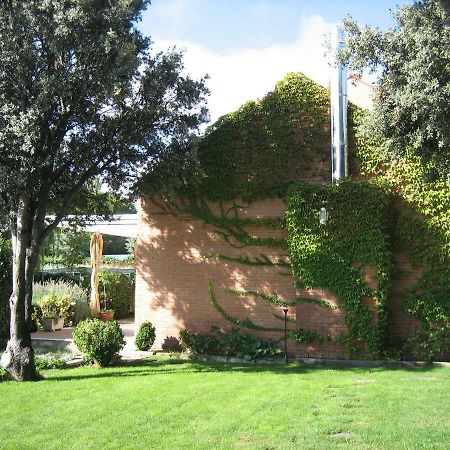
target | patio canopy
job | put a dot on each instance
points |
(124, 225)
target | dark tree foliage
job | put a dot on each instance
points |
(82, 99)
(412, 102)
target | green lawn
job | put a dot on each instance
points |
(207, 406)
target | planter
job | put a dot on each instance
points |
(52, 324)
(106, 315)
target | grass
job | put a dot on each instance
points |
(178, 405)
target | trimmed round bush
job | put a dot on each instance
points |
(145, 336)
(99, 341)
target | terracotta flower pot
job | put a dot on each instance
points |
(106, 315)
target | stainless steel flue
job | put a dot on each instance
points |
(338, 103)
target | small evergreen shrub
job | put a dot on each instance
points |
(145, 337)
(199, 344)
(99, 341)
(171, 345)
(228, 342)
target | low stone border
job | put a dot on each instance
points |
(54, 344)
(216, 358)
(76, 361)
(371, 363)
(309, 361)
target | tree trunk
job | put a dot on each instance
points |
(18, 358)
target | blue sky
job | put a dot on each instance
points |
(246, 46)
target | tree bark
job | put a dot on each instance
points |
(18, 358)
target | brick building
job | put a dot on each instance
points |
(179, 261)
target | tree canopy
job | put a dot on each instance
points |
(82, 99)
(412, 102)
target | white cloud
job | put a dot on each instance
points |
(171, 14)
(239, 76)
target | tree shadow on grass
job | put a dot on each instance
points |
(155, 367)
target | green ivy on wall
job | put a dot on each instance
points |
(256, 151)
(326, 255)
(245, 323)
(260, 151)
(420, 229)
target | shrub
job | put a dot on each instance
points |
(3, 374)
(116, 292)
(49, 361)
(252, 348)
(199, 344)
(79, 297)
(99, 341)
(145, 337)
(81, 311)
(172, 345)
(430, 345)
(230, 343)
(54, 305)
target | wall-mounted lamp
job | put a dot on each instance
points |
(323, 216)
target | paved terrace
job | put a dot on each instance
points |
(63, 340)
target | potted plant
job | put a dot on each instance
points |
(52, 319)
(106, 313)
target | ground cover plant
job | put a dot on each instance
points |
(52, 360)
(162, 404)
(229, 343)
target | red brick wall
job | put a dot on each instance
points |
(172, 277)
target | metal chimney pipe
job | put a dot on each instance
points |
(338, 103)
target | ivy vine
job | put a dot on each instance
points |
(246, 322)
(260, 151)
(420, 228)
(325, 255)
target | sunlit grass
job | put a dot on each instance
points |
(205, 406)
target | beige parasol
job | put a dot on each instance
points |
(96, 249)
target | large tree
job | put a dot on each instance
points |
(412, 102)
(81, 98)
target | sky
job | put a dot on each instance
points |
(247, 46)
